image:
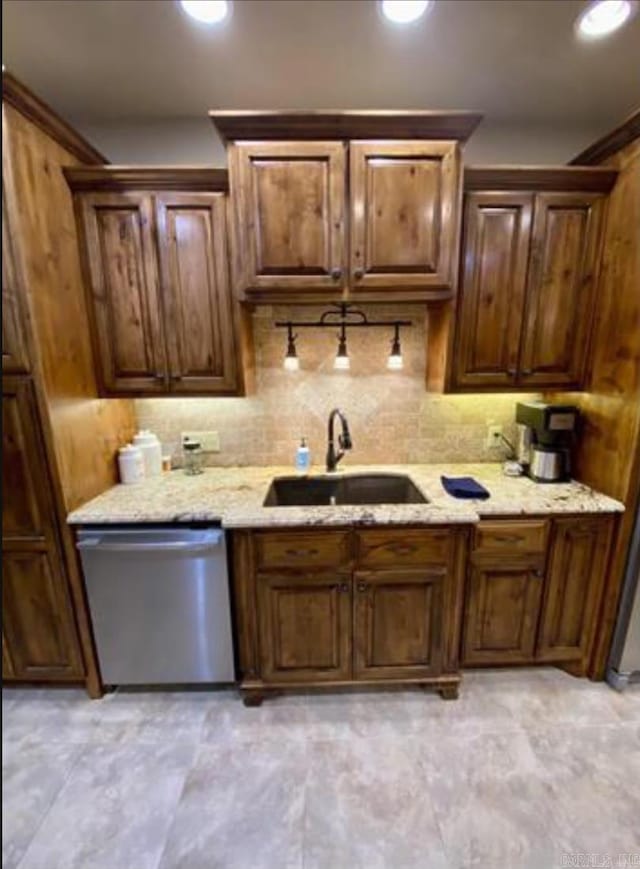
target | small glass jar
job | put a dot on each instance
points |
(193, 458)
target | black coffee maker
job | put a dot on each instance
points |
(546, 435)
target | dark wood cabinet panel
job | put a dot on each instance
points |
(560, 288)
(497, 228)
(289, 201)
(36, 617)
(27, 511)
(39, 635)
(305, 626)
(192, 246)
(121, 261)
(14, 349)
(574, 584)
(404, 215)
(398, 623)
(502, 610)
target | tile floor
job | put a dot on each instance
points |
(527, 770)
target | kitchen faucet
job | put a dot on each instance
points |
(344, 440)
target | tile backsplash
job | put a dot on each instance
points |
(391, 416)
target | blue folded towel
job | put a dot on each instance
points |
(464, 487)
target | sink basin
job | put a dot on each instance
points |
(353, 489)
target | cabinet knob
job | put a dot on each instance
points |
(538, 573)
(527, 371)
(511, 372)
(176, 377)
(362, 586)
(344, 588)
(336, 274)
(358, 273)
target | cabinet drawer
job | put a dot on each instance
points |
(302, 549)
(515, 538)
(403, 548)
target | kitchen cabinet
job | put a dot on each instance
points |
(361, 205)
(39, 635)
(156, 266)
(535, 599)
(305, 626)
(528, 278)
(289, 200)
(503, 605)
(398, 623)
(403, 216)
(575, 578)
(14, 350)
(348, 607)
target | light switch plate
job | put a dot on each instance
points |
(208, 440)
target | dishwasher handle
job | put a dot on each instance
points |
(98, 544)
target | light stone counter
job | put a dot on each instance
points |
(234, 496)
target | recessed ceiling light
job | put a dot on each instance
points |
(604, 16)
(404, 11)
(206, 11)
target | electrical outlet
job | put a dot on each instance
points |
(208, 440)
(494, 436)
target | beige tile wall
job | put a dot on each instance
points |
(392, 417)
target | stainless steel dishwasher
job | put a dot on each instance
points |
(159, 601)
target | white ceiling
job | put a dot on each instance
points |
(143, 61)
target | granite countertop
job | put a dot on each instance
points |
(234, 496)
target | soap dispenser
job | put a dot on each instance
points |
(303, 457)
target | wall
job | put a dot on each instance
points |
(195, 141)
(392, 417)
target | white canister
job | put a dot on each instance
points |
(151, 451)
(130, 464)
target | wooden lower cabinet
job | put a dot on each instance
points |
(305, 626)
(541, 608)
(299, 623)
(503, 606)
(39, 639)
(398, 623)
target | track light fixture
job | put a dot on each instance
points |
(344, 316)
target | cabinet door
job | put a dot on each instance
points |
(289, 199)
(398, 623)
(496, 236)
(14, 352)
(560, 289)
(501, 616)
(124, 299)
(577, 565)
(39, 637)
(404, 215)
(305, 627)
(36, 617)
(199, 325)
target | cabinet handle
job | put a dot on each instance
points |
(176, 377)
(158, 376)
(538, 573)
(336, 274)
(527, 371)
(301, 553)
(362, 586)
(358, 273)
(511, 372)
(344, 588)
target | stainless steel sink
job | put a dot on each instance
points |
(366, 489)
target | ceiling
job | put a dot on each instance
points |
(144, 60)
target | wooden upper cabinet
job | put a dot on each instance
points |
(121, 261)
(403, 215)
(530, 252)
(289, 203)
(497, 229)
(14, 350)
(196, 296)
(560, 289)
(398, 618)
